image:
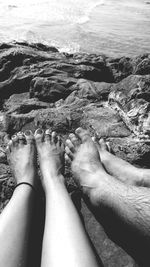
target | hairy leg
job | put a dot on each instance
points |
(15, 220)
(121, 169)
(65, 242)
(123, 210)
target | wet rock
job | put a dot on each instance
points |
(38, 46)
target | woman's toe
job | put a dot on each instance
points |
(29, 136)
(15, 140)
(9, 146)
(21, 138)
(48, 135)
(39, 136)
(54, 138)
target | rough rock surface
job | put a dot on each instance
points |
(40, 87)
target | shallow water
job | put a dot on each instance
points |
(113, 27)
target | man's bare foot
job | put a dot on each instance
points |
(120, 168)
(86, 164)
(21, 153)
(51, 156)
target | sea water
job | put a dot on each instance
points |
(112, 27)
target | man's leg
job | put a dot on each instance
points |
(121, 169)
(123, 210)
(15, 220)
(65, 242)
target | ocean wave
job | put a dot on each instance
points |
(31, 37)
(28, 20)
(72, 11)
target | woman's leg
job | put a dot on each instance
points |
(65, 242)
(15, 220)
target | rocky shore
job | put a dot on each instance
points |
(40, 87)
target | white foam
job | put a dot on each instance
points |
(21, 20)
(73, 11)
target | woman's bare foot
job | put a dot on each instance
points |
(86, 163)
(120, 168)
(21, 153)
(51, 156)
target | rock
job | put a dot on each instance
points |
(111, 255)
(95, 91)
(6, 189)
(21, 104)
(120, 68)
(141, 65)
(47, 90)
(3, 122)
(38, 46)
(124, 66)
(3, 157)
(131, 98)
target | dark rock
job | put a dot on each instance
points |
(3, 157)
(124, 66)
(6, 189)
(21, 104)
(5, 46)
(49, 90)
(121, 68)
(141, 64)
(38, 46)
(3, 123)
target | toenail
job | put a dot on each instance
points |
(20, 132)
(39, 131)
(72, 136)
(10, 143)
(53, 133)
(48, 131)
(14, 137)
(54, 136)
(7, 148)
(79, 130)
(28, 132)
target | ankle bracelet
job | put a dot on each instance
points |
(26, 184)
